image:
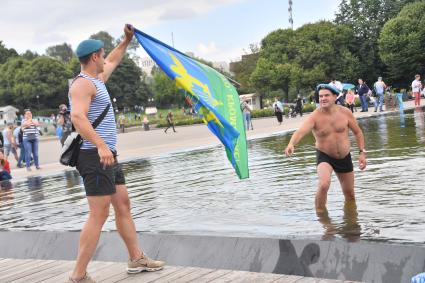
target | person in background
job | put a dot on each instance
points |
(246, 111)
(299, 105)
(9, 142)
(379, 88)
(121, 122)
(349, 99)
(64, 122)
(18, 135)
(170, 122)
(338, 85)
(416, 89)
(145, 123)
(4, 168)
(362, 91)
(278, 110)
(30, 139)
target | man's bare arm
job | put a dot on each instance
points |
(358, 133)
(305, 128)
(82, 92)
(116, 55)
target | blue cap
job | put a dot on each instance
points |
(88, 46)
(328, 87)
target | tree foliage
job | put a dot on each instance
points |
(243, 69)
(366, 18)
(6, 53)
(61, 52)
(165, 90)
(402, 42)
(295, 61)
(22, 80)
(127, 86)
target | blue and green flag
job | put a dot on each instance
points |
(214, 98)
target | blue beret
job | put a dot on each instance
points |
(88, 46)
(328, 87)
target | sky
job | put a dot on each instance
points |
(216, 30)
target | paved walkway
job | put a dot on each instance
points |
(138, 144)
(52, 271)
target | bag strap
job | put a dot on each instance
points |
(101, 116)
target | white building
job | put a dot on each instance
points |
(8, 114)
(253, 100)
(221, 66)
(146, 64)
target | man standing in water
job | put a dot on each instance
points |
(330, 124)
(103, 177)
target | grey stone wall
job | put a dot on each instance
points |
(362, 261)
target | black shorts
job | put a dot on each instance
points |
(97, 180)
(344, 165)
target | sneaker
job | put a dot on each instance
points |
(85, 279)
(144, 263)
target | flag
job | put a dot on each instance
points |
(214, 98)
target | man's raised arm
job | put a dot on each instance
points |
(116, 55)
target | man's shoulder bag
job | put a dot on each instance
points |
(71, 146)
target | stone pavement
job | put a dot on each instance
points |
(139, 144)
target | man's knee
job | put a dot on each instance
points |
(323, 186)
(122, 207)
(100, 214)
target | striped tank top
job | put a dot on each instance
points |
(107, 128)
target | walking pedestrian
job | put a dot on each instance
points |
(103, 177)
(362, 91)
(170, 122)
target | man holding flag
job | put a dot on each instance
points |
(103, 177)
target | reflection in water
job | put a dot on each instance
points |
(35, 188)
(197, 192)
(6, 195)
(349, 228)
(419, 123)
(402, 120)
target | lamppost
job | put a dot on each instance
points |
(115, 102)
(38, 102)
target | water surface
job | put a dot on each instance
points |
(196, 192)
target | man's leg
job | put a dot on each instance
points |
(347, 185)
(124, 221)
(99, 210)
(324, 172)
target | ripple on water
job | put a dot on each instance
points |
(197, 192)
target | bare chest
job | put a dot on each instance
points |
(330, 126)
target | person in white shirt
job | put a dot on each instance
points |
(379, 88)
(338, 85)
(416, 89)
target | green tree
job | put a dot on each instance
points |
(29, 55)
(366, 18)
(61, 52)
(22, 80)
(6, 53)
(402, 42)
(297, 60)
(126, 84)
(243, 69)
(107, 39)
(166, 93)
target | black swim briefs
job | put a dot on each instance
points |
(99, 181)
(344, 165)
